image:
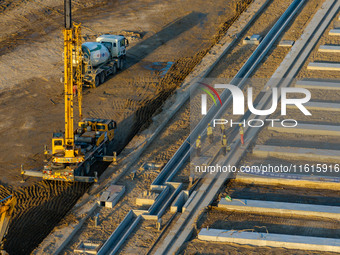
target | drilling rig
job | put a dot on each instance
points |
(74, 151)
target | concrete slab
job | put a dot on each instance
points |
(318, 84)
(297, 153)
(270, 240)
(335, 31)
(330, 48)
(86, 247)
(147, 198)
(323, 66)
(280, 208)
(292, 180)
(187, 203)
(319, 106)
(286, 43)
(254, 39)
(180, 200)
(307, 129)
(111, 196)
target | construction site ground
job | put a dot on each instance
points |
(160, 33)
(277, 224)
(31, 67)
(170, 139)
(33, 102)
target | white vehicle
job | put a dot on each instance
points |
(104, 57)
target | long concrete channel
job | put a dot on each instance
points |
(287, 70)
(169, 190)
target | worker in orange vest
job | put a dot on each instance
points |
(198, 146)
(75, 90)
(241, 134)
(210, 133)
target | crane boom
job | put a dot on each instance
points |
(68, 81)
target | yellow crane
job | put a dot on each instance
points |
(77, 149)
(71, 154)
(6, 211)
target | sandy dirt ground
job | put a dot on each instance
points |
(198, 247)
(31, 64)
(39, 207)
(30, 68)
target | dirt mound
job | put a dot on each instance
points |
(40, 207)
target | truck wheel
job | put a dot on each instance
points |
(114, 69)
(96, 81)
(82, 172)
(122, 63)
(104, 150)
(87, 168)
(102, 77)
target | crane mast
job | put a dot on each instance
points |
(72, 49)
(68, 81)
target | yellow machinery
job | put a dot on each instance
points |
(70, 153)
(6, 211)
(78, 65)
(74, 151)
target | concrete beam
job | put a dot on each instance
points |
(110, 197)
(292, 180)
(286, 43)
(281, 208)
(323, 66)
(318, 84)
(271, 240)
(307, 129)
(335, 31)
(319, 106)
(296, 153)
(330, 48)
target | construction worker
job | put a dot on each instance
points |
(241, 134)
(222, 129)
(224, 145)
(75, 90)
(198, 146)
(210, 133)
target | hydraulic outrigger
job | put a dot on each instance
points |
(74, 151)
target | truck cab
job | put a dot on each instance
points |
(101, 126)
(57, 143)
(116, 44)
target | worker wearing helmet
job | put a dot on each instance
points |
(224, 145)
(241, 134)
(198, 146)
(210, 133)
(222, 129)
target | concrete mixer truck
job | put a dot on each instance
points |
(102, 58)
